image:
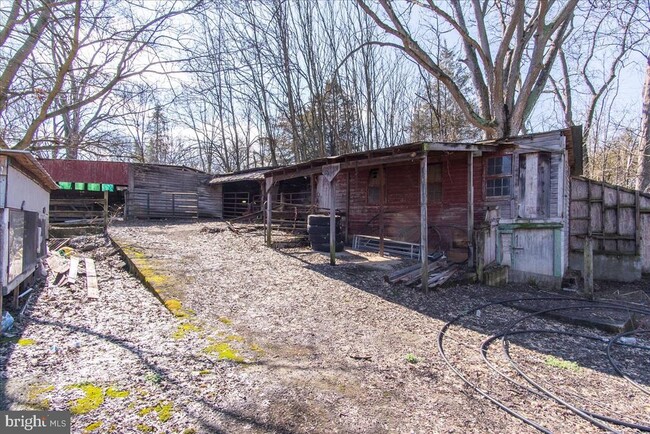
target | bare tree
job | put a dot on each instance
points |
(91, 50)
(644, 171)
(529, 34)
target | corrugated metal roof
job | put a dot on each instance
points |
(101, 172)
(248, 175)
(31, 164)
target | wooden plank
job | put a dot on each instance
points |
(588, 268)
(269, 210)
(91, 279)
(330, 176)
(424, 229)
(637, 222)
(74, 268)
(470, 209)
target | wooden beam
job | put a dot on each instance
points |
(382, 194)
(352, 164)
(457, 147)
(470, 209)
(347, 208)
(330, 172)
(332, 223)
(269, 209)
(91, 279)
(105, 211)
(74, 268)
(588, 267)
(424, 229)
(637, 222)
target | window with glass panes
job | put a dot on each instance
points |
(499, 176)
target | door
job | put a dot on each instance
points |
(533, 251)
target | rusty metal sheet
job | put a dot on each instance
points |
(102, 172)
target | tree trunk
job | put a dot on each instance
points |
(644, 178)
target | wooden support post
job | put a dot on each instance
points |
(269, 210)
(105, 211)
(424, 227)
(330, 172)
(382, 192)
(470, 209)
(588, 267)
(332, 223)
(312, 184)
(16, 295)
(4, 251)
(637, 222)
(347, 207)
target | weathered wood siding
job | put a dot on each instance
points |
(157, 191)
(210, 197)
(447, 218)
(618, 219)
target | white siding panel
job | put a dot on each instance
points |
(22, 188)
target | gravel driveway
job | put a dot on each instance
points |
(260, 340)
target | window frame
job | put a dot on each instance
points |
(499, 175)
(431, 183)
(374, 177)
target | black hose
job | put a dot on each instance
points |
(589, 416)
(615, 366)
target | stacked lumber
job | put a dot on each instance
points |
(439, 272)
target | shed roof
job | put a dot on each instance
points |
(256, 174)
(404, 152)
(101, 172)
(31, 164)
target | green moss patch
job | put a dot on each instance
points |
(93, 398)
(164, 411)
(93, 426)
(176, 307)
(33, 396)
(224, 351)
(112, 392)
(225, 320)
(562, 364)
(144, 428)
(26, 342)
(183, 329)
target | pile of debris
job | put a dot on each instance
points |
(66, 266)
(440, 271)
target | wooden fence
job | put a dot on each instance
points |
(616, 218)
(87, 210)
(162, 205)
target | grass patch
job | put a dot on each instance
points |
(410, 358)
(153, 377)
(562, 364)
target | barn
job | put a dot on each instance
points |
(503, 202)
(140, 190)
(25, 188)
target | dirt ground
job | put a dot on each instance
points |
(261, 340)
